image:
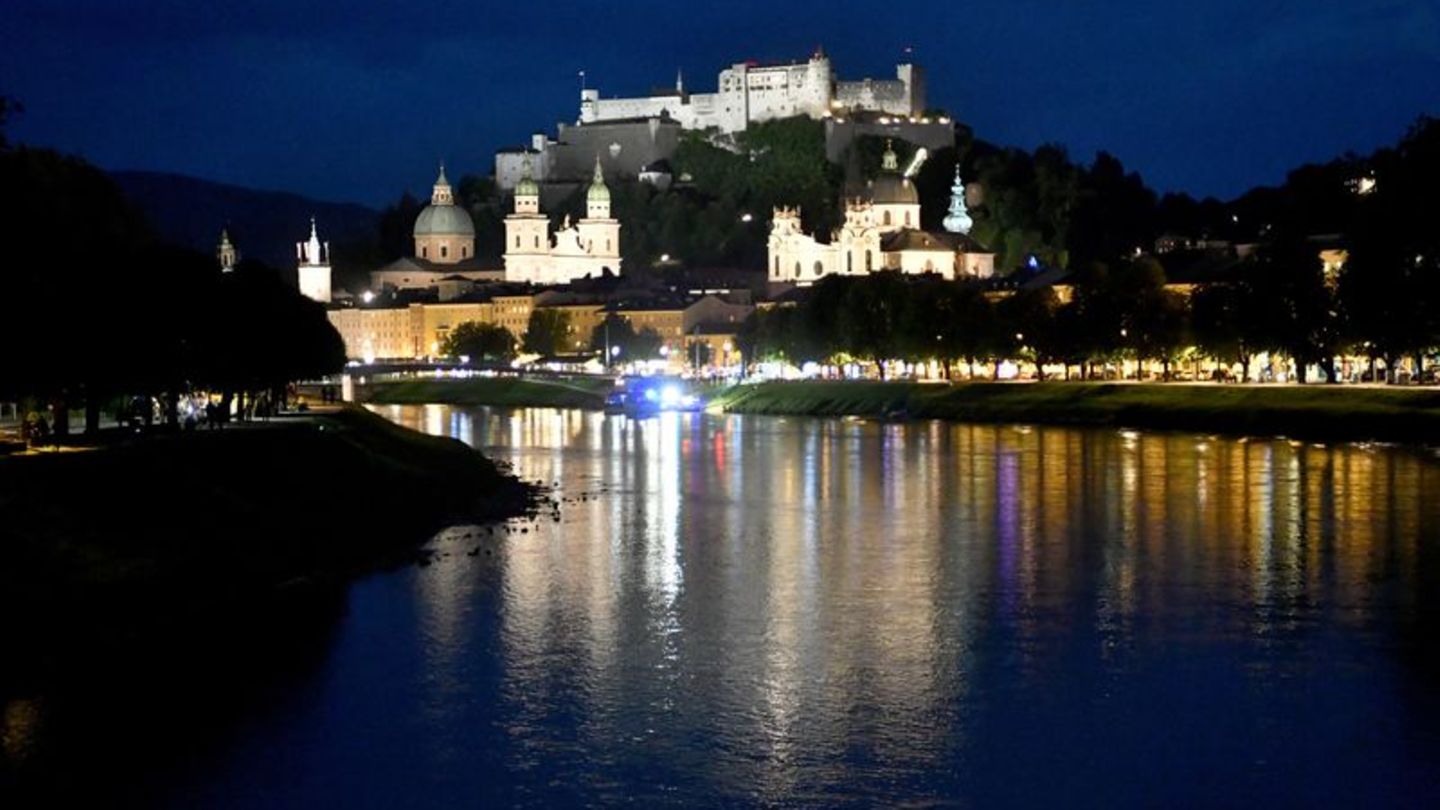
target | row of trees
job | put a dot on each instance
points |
(100, 311)
(1281, 302)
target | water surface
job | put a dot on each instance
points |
(755, 610)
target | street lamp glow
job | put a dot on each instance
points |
(614, 351)
(746, 217)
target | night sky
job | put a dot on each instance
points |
(358, 100)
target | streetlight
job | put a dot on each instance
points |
(746, 217)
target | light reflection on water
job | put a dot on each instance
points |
(741, 609)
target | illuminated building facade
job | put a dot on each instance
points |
(881, 232)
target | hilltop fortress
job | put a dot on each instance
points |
(750, 92)
(638, 136)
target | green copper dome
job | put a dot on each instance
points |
(598, 192)
(527, 187)
(444, 220)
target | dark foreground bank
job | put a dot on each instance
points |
(1312, 412)
(163, 526)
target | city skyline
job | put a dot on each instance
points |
(1209, 101)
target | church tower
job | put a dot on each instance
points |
(527, 232)
(313, 266)
(599, 233)
(597, 199)
(226, 252)
(958, 220)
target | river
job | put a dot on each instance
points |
(740, 610)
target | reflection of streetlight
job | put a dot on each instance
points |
(664, 257)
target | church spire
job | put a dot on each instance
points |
(597, 199)
(958, 220)
(226, 252)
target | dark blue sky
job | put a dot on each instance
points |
(357, 100)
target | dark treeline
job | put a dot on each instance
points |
(99, 311)
(1384, 304)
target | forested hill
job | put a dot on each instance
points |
(265, 225)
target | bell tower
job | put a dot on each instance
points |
(313, 266)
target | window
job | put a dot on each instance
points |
(797, 269)
(537, 241)
(849, 262)
(887, 217)
(444, 251)
(424, 252)
(907, 219)
(777, 266)
(517, 241)
(819, 268)
(868, 261)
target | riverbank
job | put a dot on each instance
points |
(587, 393)
(1313, 412)
(157, 527)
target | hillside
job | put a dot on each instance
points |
(265, 225)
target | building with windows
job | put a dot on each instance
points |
(749, 92)
(444, 257)
(587, 248)
(881, 232)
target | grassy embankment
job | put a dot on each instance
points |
(1320, 412)
(511, 392)
(194, 521)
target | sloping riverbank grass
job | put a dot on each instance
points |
(197, 520)
(1317, 412)
(510, 392)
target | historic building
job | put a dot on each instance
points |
(444, 257)
(588, 247)
(313, 266)
(748, 92)
(881, 232)
(444, 233)
(226, 253)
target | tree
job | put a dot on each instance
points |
(1226, 325)
(617, 332)
(548, 332)
(1027, 325)
(1300, 312)
(872, 318)
(481, 342)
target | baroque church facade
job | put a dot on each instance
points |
(881, 232)
(588, 247)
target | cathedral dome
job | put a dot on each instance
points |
(527, 187)
(442, 217)
(444, 220)
(892, 189)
